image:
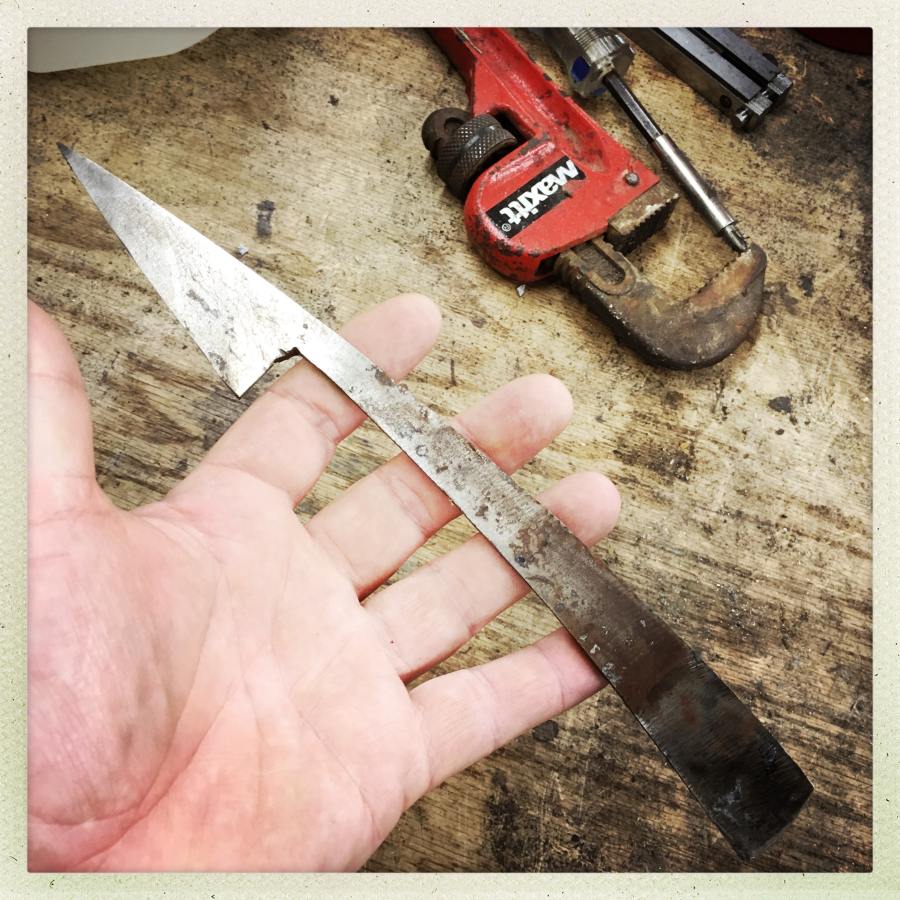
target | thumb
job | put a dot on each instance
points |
(60, 438)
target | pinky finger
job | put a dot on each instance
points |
(469, 713)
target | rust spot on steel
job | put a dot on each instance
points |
(381, 376)
(531, 544)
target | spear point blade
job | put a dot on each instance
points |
(240, 321)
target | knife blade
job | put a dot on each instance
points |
(745, 781)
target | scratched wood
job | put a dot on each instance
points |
(746, 487)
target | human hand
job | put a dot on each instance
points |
(207, 691)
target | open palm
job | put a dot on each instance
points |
(206, 688)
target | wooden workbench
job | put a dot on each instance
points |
(746, 487)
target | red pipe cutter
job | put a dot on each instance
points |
(547, 191)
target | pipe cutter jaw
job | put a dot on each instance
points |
(539, 179)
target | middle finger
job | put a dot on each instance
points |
(373, 527)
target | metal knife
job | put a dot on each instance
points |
(739, 773)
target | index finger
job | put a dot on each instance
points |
(287, 437)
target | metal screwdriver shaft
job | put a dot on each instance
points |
(595, 59)
(700, 193)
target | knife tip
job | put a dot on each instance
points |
(66, 151)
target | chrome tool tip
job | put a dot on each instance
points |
(735, 238)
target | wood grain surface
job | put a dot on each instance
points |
(746, 487)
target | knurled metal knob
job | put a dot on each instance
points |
(464, 150)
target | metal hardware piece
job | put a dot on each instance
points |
(722, 67)
(589, 55)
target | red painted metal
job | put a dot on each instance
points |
(503, 81)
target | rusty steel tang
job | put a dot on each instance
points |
(742, 777)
